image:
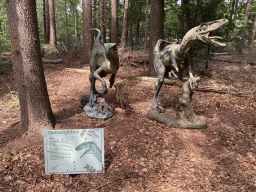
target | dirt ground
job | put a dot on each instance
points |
(140, 155)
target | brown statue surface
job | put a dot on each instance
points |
(104, 60)
(187, 118)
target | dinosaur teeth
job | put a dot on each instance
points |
(215, 37)
(218, 43)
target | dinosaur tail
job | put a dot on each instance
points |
(98, 38)
(157, 47)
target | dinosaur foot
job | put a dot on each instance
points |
(158, 108)
(100, 109)
(84, 100)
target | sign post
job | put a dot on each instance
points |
(74, 151)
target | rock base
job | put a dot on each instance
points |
(100, 109)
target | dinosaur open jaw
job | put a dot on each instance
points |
(210, 40)
(211, 27)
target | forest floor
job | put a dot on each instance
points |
(140, 155)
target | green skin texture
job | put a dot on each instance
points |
(104, 60)
(174, 56)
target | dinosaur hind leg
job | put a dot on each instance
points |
(93, 91)
(160, 80)
(112, 80)
(97, 76)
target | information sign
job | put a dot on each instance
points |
(74, 151)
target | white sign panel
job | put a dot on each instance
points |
(74, 151)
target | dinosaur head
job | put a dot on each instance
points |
(203, 31)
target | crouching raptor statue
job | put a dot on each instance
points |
(174, 57)
(104, 60)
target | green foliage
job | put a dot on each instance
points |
(178, 19)
(5, 151)
(5, 43)
(14, 93)
(101, 121)
(13, 96)
(13, 103)
(3, 66)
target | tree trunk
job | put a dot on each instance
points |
(232, 8)
(235, 18)
(253, 33)
(66, 23)
(240, 50)
(95, 14)
(114, 22)
(44, 18)
(87, 34)
(35, 109)
(125, 23)
(137, 33)
(103, 20)
(53, 41)
(130, 35)
(156, 29)
(47, 24)
(77, 36)
(146, 27)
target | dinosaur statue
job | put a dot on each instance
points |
(174, 56)
(160, 69)
(104, 60)
(187, 119)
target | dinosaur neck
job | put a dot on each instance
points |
(185, 46)
(188, 40)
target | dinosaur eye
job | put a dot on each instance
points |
(204, 27)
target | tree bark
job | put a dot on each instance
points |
(232, 8)
(47, 24)
(146, 27)
(53, 40)
(240, 50)
(66, 23)
(137, 33)
(114, 22)
(180, 23)
(87, 34)
(130, 35)
(235, 18)
(77, 36)
(95, 14)
(44, 18)
(125, 23)
(253, 33)
(35, 109)
(103, 20)
(156, 29)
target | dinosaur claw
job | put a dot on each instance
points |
(194, 81)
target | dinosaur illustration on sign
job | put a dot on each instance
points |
(90, 148)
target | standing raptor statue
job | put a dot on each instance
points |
(104, 60)
(174, 56)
